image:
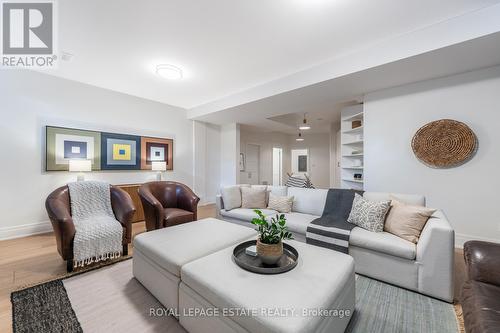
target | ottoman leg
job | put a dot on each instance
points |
(69, 265)
(125, 249)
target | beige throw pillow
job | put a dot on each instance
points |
(231, 196)
(407, 221)
(253, 197)
(282, 204)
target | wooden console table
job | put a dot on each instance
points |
(132, 189)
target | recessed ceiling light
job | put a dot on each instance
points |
(304, 125)
(300, 138)
(169, 72)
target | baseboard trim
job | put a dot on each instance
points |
(460, 239)
(25, 230)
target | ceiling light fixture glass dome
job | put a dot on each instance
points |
(169, 72)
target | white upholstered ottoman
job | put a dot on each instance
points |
(318, 295)
(160, 254)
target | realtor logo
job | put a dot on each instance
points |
(28, 34)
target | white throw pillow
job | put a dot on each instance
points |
(253, 197)
(279, 203)
(231, 195)
(369, 215)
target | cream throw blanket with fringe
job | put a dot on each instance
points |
(98, 234)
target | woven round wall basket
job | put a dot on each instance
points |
(444, 143)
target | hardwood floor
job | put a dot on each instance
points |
(30, 260)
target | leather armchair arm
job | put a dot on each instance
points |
(124, 210)
(188, 200)
(154, 213)
(483, 261)
(62, 223)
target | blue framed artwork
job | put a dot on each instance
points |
(120, 152)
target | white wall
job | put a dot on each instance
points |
(266, 142)
(31, 100)
(230, 154)
(206, 160)
(319, 156)
(468, 194)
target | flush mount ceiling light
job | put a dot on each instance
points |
(169, 72)
(304, 125)
(300, 138)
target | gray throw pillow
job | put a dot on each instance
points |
(369, 215)
(231, 195)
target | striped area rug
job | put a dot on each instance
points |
(109, 299)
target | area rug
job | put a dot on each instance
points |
(109, 299)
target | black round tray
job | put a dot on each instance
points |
(253, 264)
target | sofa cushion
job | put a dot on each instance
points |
(245, 214)
(308, 200)
(171, 248)
(407, 221)
(174, 216)
(254, 198)
(282, 204)
(409, 199)
(368, 214)
(298, 222)
(278, 190)
(383, 242)
(481, 307)
(231, 195)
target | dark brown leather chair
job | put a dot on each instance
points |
(167, 203)
(481, 293)
(59, 211)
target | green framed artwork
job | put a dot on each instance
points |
(64, 144)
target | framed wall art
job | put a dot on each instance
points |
(120, 152)
(63, 144)
(107, 151)
(156, 150)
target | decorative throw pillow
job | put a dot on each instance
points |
(253, 197)
(407, 221)
(281, 204)
(369, 215)
(231, 196)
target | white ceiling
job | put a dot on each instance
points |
(281, 111)
(226, 46)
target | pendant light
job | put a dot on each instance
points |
(300, 138)
(304, 125)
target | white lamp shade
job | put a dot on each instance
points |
(159, 166)
(80, 165)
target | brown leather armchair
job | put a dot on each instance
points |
(481, 293)
(168, 203)
(59, 211)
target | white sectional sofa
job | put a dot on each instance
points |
(426, 267)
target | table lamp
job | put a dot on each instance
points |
(80, 166)
(159, 166)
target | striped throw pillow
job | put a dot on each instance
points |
(281, 204)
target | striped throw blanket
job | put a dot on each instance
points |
(332, 230)
(294, 181)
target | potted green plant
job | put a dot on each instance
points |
(271, 236)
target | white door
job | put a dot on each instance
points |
(277, 166)
(252, 164)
